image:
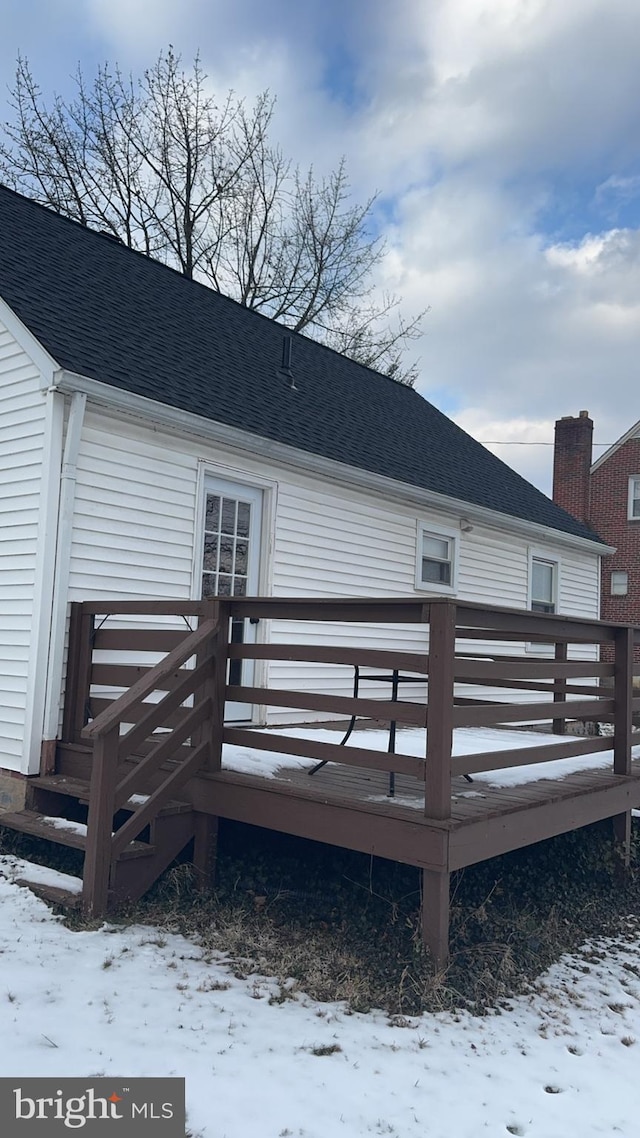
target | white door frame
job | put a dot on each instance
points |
(225, 478)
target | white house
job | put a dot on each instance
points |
(157, 440)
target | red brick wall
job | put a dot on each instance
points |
(609, 508)
(572, 464)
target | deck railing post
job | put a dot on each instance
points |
(622, 731)
(205, 842)
(221, 614)
(97, 866)
(209, 689)
(560, 687)
(78, 681)
(437, 796)
(623, 691)
(442, 647)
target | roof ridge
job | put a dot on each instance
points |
(222, 296)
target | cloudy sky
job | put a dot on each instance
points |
(504, 139)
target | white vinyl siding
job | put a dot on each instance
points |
(134, 518)
(22, 430)
(135, 536)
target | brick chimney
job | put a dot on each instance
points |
(572, 464)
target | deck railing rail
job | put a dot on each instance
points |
(480, 667)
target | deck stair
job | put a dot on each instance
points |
(57, 812)
(115, 792)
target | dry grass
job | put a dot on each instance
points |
(342, 926)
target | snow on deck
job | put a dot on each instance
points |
(412, 741)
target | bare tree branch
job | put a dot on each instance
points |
(197, 184)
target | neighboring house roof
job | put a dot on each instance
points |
(113, 315)
(632, 433)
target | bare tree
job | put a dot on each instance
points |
(161, 164)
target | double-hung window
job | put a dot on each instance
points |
(634, 497)
(619, 583)
(436, 564)
(544, 585)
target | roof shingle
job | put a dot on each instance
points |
(115, 316)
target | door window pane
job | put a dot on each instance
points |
(208, 585)
(226, 555)
(241, 558)
(210, 561)
(224, 585)
(212, 513)
(228, 516)
(244, 518)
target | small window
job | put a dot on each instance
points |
(543, 585)
(634, 496)
(436, 561)
(619, 584)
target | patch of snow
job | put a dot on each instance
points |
(17, 869)
(66, 824)
(138, 799)
(416, 803)
(412, 742)
(139, 1001)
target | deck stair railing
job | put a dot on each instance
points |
(168, 741)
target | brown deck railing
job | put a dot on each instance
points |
(179, 726)
(481, 669)
(451, 667)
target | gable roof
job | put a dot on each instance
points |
(113, 315)
(632, 433)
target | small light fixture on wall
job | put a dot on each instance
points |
(465, 525)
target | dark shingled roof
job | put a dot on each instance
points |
(113, 315)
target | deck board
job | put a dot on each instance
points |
(484, 821)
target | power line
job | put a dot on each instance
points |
(520, 443)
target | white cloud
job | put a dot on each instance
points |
(503, 137)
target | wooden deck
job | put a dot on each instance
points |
(485, 821)
(140, 736)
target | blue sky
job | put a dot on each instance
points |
(502, 136)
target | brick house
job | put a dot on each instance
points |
(606, 495)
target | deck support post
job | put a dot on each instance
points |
(622, 732)
(97, 864)
(435, 915)
(205, 850)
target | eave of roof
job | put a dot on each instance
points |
(113, 315)
(632, 433)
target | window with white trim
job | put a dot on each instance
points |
(619, 583)
(544, 585)
(436, 566)
(634, 496)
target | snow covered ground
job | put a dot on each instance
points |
(563, 1061)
